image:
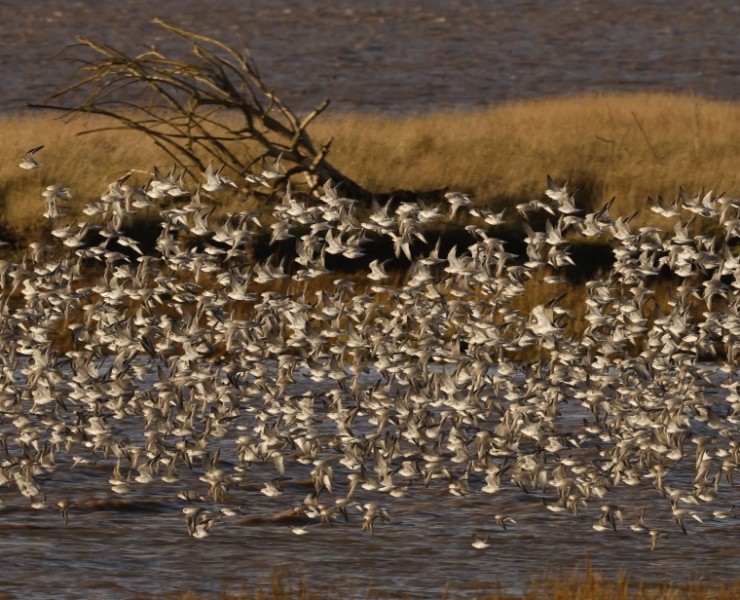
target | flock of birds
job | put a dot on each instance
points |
(218, 376)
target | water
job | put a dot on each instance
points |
(402, 57)
(120, 546)
(368, 56)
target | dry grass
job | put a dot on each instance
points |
(84, 164)
(585, 584)
(629, 146)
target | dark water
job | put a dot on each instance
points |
(405, 56)
(402, 56)
(121, 546)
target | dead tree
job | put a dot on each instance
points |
(201, 110)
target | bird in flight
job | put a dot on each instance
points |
(29, 160)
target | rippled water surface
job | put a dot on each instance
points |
(400, 57)
(118, 546)
(403, 56)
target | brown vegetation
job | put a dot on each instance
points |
(586, 584)
(628, 146)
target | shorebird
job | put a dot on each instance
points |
(271, 488)
(658, 206)
(502, 520)
(64, 506)
(639, 525)
(29, 161)
(564, 201)
(202, 525)
(216, 371)
(215, 181)
(457, 201)
(373, 512)
(300, 530)
(654, 535)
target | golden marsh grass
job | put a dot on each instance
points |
(630, 146)
(585, 584)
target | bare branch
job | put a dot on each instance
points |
(214, 106)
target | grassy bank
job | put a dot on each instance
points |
(585, 584)
(629, 146)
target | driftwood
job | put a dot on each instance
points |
(205, 110)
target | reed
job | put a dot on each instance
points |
(580, 584)
(630, 146)
(626, 145)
